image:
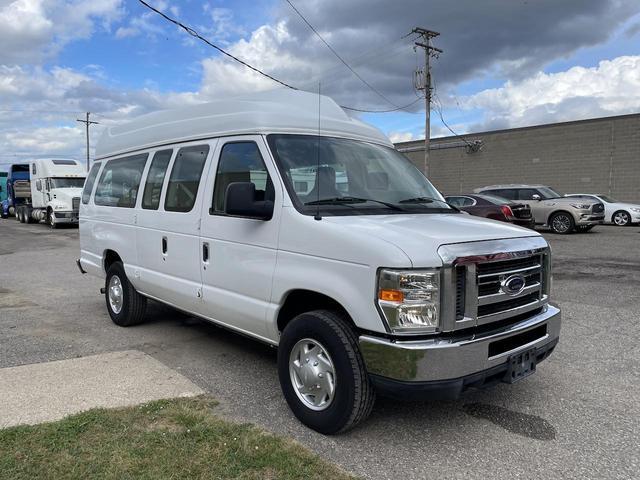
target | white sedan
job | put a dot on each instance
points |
(618, 213)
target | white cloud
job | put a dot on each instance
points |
(32, 30)
(610, 88)
(397, 137)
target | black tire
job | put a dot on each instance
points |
(21, 216)
(133, 304)
(562, 223)
(621, 218)
(354, 394)
(51, 219)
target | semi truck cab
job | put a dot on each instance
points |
(55, 190)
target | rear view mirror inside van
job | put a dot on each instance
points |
(241, 201)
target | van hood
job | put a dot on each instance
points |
(420, 235)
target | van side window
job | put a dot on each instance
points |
(241, 162)
(120, 181)
(88, 184)
(155, 179)
(185, 178)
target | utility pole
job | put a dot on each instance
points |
(87, 123)
(422, 81)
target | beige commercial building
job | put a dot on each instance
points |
(600, 155)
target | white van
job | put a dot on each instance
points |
(371, 284)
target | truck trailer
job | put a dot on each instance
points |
(54, 193)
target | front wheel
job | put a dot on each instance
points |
(621, 218)
(125, 305)
(51, 219)
(562, 222)
(322, 374)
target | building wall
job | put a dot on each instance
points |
(589, 156)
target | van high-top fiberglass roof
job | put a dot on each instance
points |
(276, 111)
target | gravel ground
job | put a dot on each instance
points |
(577, 417)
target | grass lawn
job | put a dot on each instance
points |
(179, 438)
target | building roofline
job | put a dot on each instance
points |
(517, 129)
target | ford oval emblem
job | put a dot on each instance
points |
(513, 284)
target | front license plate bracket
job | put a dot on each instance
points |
(521, 365)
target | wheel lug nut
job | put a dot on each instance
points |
(315, 364)
(319, 375)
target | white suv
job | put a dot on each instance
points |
(332, 247)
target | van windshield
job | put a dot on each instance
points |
(67, 182)
(338, 176)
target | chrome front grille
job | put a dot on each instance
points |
(494, 298)
(480, 277)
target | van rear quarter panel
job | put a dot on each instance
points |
(107, 228)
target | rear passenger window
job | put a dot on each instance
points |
(241, 162)
(527, 193)
(155, 179)
(508, 193)
(185, 178)
(120, 181)
(88, 184)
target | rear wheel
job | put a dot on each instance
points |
(322, 373)
(562, 222)
(21, 215)
(621, 218)
(125, 305)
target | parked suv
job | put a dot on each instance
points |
(333, 247)
(550, 208)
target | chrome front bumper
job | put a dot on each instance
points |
(447, 358)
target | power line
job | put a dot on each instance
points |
(195, 34)
(371, 87)
(383, 111)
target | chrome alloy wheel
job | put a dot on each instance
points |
(561, 223)
(312, 374)
(621, 219)
(115, 294)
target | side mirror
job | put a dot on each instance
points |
(240, 201)
(535, 196)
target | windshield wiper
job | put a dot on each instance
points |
(428, 200)
(347, 200)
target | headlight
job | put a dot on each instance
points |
(410, 299)
(635, 209)
(581, 206)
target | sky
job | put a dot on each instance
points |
(505, 63)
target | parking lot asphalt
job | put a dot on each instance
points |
(577, 417)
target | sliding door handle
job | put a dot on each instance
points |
(205, 252)
(164, 245)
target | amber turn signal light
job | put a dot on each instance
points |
(391, 295)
